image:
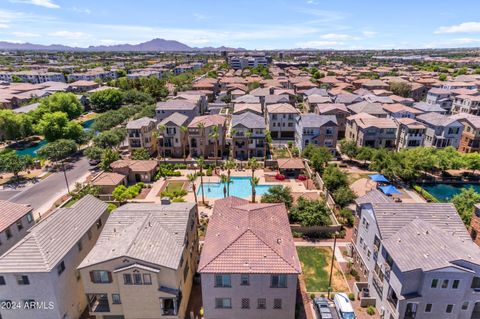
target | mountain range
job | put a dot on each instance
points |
(149, 46)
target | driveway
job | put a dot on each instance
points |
(43, 195)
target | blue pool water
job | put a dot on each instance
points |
(445, 192)
(87, 124)
(239, 186)
(32, 150)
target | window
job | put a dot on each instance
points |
(244, 280)
(60, 268)
(8, 232)
(79, 245)
(245, 303)
(222, 281)
(101, 277)
(29, 217)
(261, 303)
(449, 309)
(465, 305)
(116, 299)
(19, 225)
(147, 279)
(445, 284)
(137, 279)
(127, 279)
(2, 281)
(428, 307)
(476, 283)
(277, 303)
(278, 281)
(223, 303)
(23, 280)
(455, 284)
(434, 283)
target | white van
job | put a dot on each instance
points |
(344, 306)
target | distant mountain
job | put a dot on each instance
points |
(149, 46)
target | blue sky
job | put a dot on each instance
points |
(252, 24)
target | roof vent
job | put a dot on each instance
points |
(279, 241)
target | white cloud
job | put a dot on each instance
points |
(41, 3)
(20, 34)
(319, 44)
(466, 27)
(458, 42)
(4, 26)
(339, 37)
(312, 2)
(69, 35)
(369, 34)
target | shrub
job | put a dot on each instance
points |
(312, 296)
(280, 177)
(302, 178)
(371, 310)
(209, 171)
(351, 296)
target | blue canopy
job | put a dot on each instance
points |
(389, 190)
(378, 178)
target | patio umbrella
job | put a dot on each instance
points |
(389, 190)
(379, 178)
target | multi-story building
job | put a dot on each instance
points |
(442, 97)
(442, 130)
(319, 130)
(410, 133)
(140, 134)
(200, 139)
(400, 111)
(252, 61)
(419, 260)
(34, 77)
(143, 263)
(185, 107)
(470, 140)
(466, 104)
(374, 109)
(249, 265)
(339, 110)
(39, 274)
(92, 75)
(280, 120)
(173, 138)
(16, 220)
(368, 130)
(248, 135)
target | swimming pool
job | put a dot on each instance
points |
(445, 192)
(239, 186)
(32, 150)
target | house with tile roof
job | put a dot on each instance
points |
(201, 142)
(15, 221)
(418, 258)
(318, 130)
(280, 120)
(143, 263)
(136, 170)
(249, 265)
(339, 110)
(470, 140)
(410, 133)
(368, 130)
(140, 134)
(173, 138)
(248, 135)
(42, 267)
(442, 130)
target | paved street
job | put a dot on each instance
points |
(43, 195)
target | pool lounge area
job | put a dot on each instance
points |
(239, 186)
(445, 192)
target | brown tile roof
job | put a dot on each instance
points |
(249, 238)
(281, 108)
(290, 163)
(11, 212)
(136, 166)
(208, 120)
(108, 179)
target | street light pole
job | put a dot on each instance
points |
(65, 175)
(331, 265)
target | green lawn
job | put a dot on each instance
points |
(174, 186)
(316, 269)
(280, 153)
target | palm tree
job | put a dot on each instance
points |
(214, 134)
(201, 128)
(192, 178)
(201, 163)
(254, 182)
(268, 140)
(228, 165)
(184, 131)
(232, 134)
(224, 180)
(161, 129)
(253, 165)
(248, 135)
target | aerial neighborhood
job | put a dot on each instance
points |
(151, 182)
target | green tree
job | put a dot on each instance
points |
(320, 157)
(310, 213)
(253, 165)
(224, 180)
(215, 136)
(385, 162)
(343, 196)
(334, 178)
(254, 182)
(365, 154)
(278, 194)
(472, 161)
(110, 139)
(108, 157)
(109, 99)
(94, 153)
(140, 154)
(401, 88)
(67, 103)
(192, 178)
(201, 164)
(464, 203)
(12, 163)
(448, 158)
(348, 148)
(120, 193)
(52, 125)
(228, 165)
(442, 77)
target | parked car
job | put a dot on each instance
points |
(344, 306)
(322, 308)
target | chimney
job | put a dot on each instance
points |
(165, 201)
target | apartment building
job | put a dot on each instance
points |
(252, 61)
(280, 120)
(340, 112)
(470, 140)
(249, 265)
(442, 130)
(410, 133)
(375, 109)
(466, 104)
(143, 263)
(185, 107)
(248, 135)
(319, 130)
(140, 134)
(173, 139)
(200, 139)
(39, 274)
(442, 97)
(368, 130)
(419, 260)
(400, 111)
(15, 221)
(35, 77)
(92, 75)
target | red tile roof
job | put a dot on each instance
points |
(249, 238)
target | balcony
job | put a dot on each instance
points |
(98, 303)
